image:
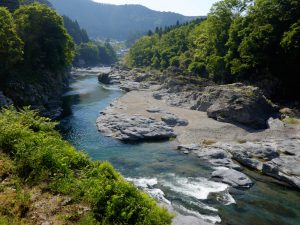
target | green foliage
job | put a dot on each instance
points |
(47, 43)
(41, 156)
(11, 5)
(94, 53)
(11, 46)
(240, 40)
(79, 35)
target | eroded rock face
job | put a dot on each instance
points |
(234, 103)
(237, 103)
(279, 159)
(133, 128)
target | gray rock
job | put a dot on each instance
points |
(217, 157)
(237, 103)
(157, 95)
(188, 220)
(104, 78)
(153, 110)
(232, 177)
(172, 120)
(285, 169)
(275, 124)
(136, 128)
(129, 86)
(4, 101)
(189, 147)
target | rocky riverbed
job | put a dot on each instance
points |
(230, 126)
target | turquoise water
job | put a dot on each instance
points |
(168, 175)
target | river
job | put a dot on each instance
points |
(167, 174)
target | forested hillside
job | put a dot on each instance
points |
(35, 50)
(251, 41)
(88, 52)
(117, 22)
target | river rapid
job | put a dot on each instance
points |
(171, 177)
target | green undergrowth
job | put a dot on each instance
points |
(36, 154)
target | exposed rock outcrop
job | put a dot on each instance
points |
(133, 128)
(279, 159)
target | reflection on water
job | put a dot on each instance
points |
(165, 173)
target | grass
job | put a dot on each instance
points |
(34, 155)
(291, 120)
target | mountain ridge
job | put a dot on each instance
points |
(116, 21)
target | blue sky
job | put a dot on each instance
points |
(185, 7)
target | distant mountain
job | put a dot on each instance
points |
(116, 22)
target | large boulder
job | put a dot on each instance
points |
(236, 103)
(104, 78)
(133, 128)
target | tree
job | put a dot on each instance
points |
(11, 5)
(11, 46)
(47, 43)
(79, 35)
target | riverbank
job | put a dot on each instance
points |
(273, 151)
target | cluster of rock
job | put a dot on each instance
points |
(127, 80)
(133, 128)
(279, 159)
(234, 103)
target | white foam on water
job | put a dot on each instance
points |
(198, 188)
(210, 218)
(143, 182)
(158, 194)
(147, 184)
(204, 206)
(112, 88)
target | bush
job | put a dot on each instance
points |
(40, 155)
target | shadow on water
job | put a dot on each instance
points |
(168, 174)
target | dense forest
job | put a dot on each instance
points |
(88, 52)
(37, 46)
(250, 41)
(115, 22)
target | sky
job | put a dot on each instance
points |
(185, 7)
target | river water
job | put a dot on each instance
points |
(166, 174)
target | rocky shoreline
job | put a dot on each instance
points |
(229, 126)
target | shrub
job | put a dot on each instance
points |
(41, 156)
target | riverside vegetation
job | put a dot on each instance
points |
(254, 41)
(34, 157)
(42, 177)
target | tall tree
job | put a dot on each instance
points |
(11, 46)
(47, 43)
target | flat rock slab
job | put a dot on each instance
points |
(232, 177)
(133, 128)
